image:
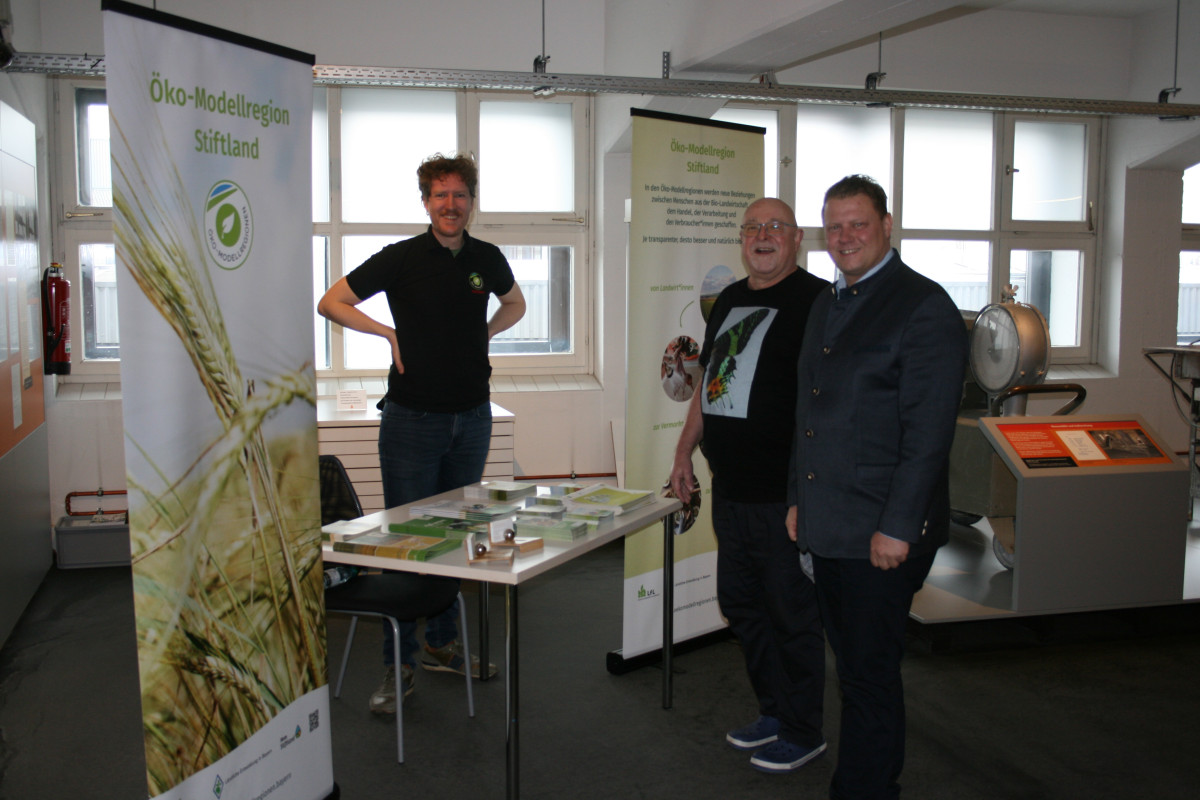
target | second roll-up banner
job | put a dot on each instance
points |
(692, 180)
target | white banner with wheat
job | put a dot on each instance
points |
(211, 140)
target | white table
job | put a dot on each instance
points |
(523, 568)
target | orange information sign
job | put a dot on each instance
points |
(1046, 445)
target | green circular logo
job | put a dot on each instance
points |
(228, 225)
(476, 281)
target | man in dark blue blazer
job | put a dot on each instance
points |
(879, 382)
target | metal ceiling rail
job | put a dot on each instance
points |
(545, 84)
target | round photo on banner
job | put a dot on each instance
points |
(228, 225)
(680, 370)
(715, 280)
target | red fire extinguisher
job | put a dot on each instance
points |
(56, 321)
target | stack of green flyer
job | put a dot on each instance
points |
(474, 510)
(602, 495)
(552, 500)
(557, 529)
(592, 516)
(345, 528)
(545, 512)
(442, 527)
(397, 545)
(561, 488)
(506, 491)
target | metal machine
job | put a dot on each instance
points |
(1086, 511)
(1009, 358)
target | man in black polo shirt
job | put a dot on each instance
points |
(436, 420)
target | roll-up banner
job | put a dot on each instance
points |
(211, 141)
(692, 180)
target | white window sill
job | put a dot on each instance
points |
(376, 387)
(85, 391)
(1069, 373)
(500, 384)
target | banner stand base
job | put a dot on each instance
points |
(617, 664)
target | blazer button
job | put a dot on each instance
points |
(809, 433)
(815, 391)
(811, 476)
(825, 349)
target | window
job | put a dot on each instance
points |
(947, 176)
(767, 118)
(1051, 280)
(93, 167)
(532, 202)
(385, 133)
(98, 276)
(851, 140)
(521, 139)
(320, 251)
(1188, 324)
(544, 275)
(1191, 198)
(980, 201)
(367, 143)
(84, 242)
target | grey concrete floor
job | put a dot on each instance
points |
(1102, 705)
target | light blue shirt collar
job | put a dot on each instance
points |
(840, 283)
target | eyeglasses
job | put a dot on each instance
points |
(751, 229)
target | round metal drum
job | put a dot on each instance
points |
(1010, 346)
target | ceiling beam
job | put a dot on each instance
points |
(546, 84)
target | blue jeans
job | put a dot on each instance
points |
(423, 453)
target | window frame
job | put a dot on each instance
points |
(501, 228)
(1189, 243)
(785, 133)
(73, 224)
(72, 236)
(1061, 354)
(66, 181)
(1005, 167)
(1005, 234)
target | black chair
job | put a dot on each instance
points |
(394, 596)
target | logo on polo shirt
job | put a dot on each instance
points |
(476, 281)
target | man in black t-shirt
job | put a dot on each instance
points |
(742, 418)
(436, 421)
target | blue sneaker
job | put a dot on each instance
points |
(763, 730)
(783, 756)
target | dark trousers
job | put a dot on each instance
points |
(865, 612)
(771, 607)
(424, 453)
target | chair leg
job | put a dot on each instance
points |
(462, 626)
(399, 688)
(337, 691)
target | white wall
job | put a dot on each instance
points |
(990, 51)
(1140, 261)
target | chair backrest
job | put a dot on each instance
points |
(338, 499)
